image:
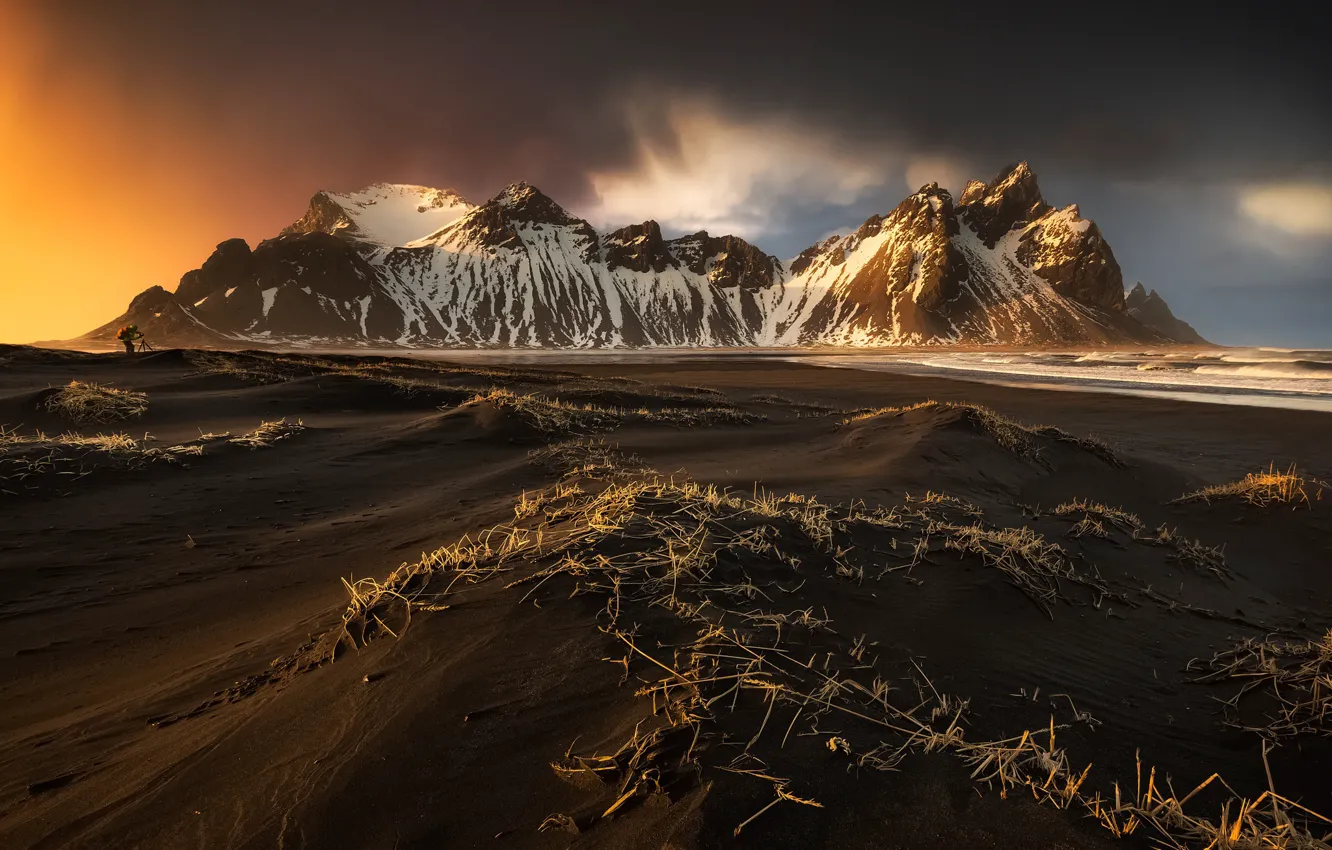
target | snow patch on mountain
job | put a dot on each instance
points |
(395, 214)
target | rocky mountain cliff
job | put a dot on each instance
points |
(404, 265)
(1152, 310)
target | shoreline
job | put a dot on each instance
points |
(1198, 393)
(1317, 395)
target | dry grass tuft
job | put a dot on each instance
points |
(1272, 487)
(1192, 552)
(684, 417)
(1269, 820)
(1094, 515)
(94, 404)
(1008, 433)
(33, 463)
(252, 367)
(1012, 435)
(590, 458)
(1093, 445)
(268, 433)
(552, 416)
(649, 763)
(943, 500)
(803, 409)
(1294, 677)
(688, 390)
(406, 377)
(1031, 563)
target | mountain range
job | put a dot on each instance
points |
(412, 266)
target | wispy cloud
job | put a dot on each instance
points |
(946, 171)
(736, 176)
(1300, 209)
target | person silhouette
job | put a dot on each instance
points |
(129, 335)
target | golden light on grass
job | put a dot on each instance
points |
(37, 462)
(87, 403)
(268, 433)
(40, 463)
(648, 548)
(1270, 487)
(1097, 514)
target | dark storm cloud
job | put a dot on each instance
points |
(478, 94)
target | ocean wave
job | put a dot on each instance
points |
(1276, 355)
(1115, 357)
(1305, 369)
(1129, 370)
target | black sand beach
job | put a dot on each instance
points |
(657, 642)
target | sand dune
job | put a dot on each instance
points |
(460, 605)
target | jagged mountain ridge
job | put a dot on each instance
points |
(1152, 310)
(414, 266)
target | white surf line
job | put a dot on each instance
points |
(1201, 393)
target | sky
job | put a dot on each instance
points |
(136, 135)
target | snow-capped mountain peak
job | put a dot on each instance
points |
(525, 202)
(414, 266)
(382, 214)
(516, 217)
(1011, 198)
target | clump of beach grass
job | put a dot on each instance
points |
(1262, 489)
(87, 403)
(31, 463)
(687, 417)
(591, 458)
(1092, 445)
(1031, 563)
(405, 385)
(1009, 433)
(1093, 517)
(1006, 432)
(268, 433)
(553, 416)
(1194, 553)
(251, 367)
(803, 409)
(118, 445)
(1296, 676)
(1268, 820)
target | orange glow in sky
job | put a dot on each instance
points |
(105, 191)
